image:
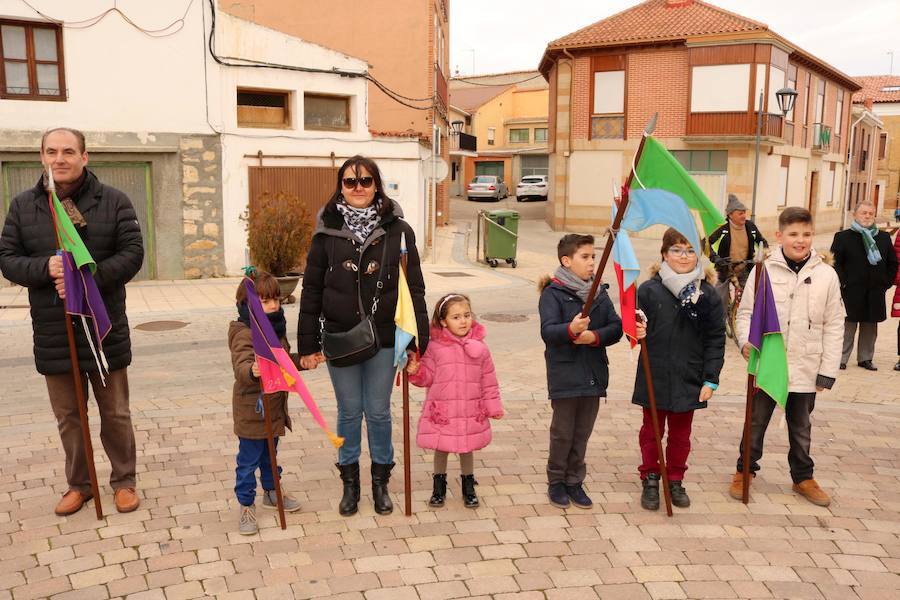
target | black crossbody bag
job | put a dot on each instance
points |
(360, 343)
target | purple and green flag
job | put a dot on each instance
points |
(83, 297)
(768, 358)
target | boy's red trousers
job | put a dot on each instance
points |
(678, 444)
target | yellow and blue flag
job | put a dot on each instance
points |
(405, 315)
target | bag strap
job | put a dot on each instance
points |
(380, 284)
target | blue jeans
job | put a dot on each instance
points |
(252, 455)
(365, 389)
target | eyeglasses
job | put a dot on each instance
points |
(682, 252)
(351, 182)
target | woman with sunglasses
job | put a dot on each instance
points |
(685, 333)
(352, 271)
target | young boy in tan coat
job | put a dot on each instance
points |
(247, 405)
(808, 301)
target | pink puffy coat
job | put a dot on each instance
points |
(462, 392)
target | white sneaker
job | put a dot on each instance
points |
(247, 523)
(270, 500)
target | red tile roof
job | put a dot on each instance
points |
(873, 88)
(656, 20)
(470, 98)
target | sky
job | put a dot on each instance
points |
(495, 36)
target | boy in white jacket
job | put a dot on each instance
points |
(811, 314)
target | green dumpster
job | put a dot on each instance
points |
(501, 234)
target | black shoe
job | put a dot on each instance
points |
(381, 475)
(867, 365)
(679, 495)
(438, 490)
(843, 366)
(578, 497)
(897, 366)
(558, 496)
(470, 499)
(350, 477)
(650, 495)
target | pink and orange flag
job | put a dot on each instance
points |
(277, 371)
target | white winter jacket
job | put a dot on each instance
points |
(810, 313)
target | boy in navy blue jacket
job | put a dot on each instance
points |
(577, 371)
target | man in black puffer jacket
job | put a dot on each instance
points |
(106, 222)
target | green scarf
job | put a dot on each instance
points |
(868, 235)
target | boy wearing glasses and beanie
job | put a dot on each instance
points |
(577, 366)
(685, 331)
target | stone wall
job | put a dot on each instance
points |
(201, 159)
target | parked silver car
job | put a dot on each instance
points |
(486, 186)
(532, 186)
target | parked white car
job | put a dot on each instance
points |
(486, 186)
(532, 186)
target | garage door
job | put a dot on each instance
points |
(489, 168)
(133, 178)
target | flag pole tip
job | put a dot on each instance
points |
(651, 124)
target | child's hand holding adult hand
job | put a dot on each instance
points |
(412, 366)
(579, 324)
(706, 393)
(310, 361)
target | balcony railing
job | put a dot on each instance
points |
(463, 141)
(733, 123)
(821, 141)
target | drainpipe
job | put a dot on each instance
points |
(848, 171)
(569, 143)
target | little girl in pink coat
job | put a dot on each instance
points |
(462, 394)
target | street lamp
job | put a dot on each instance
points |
(785, 97)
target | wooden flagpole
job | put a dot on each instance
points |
(273, 460)
(598, 273)
(407, 467)
(77, 380)
(748, 409)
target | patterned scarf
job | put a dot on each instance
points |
(573, 282)
(684, 286)
(360, 221)
(868, 235)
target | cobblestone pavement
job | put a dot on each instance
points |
(183, 541)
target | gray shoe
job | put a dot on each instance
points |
(248, 525)
(270, 500)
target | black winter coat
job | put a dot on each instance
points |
(113, 237)
(863, 286)
(684, 352)
(338, 267)
(576, 370)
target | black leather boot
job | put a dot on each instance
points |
(439, 490)
(381, 475)
(470, 498)
(650, 495)
(350, 499)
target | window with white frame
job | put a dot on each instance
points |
(490, 135)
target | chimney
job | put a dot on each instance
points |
(868, 103)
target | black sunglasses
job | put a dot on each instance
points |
(351, 182)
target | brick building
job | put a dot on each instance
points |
(880, 95)
(702, 69)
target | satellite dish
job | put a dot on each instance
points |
(441, 169)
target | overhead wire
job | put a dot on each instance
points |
(90, 22)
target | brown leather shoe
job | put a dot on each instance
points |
(71, 503)
(127, 500)
(736, 489)
(810, 490)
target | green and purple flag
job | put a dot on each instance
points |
(768, 358)
(83, 297)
